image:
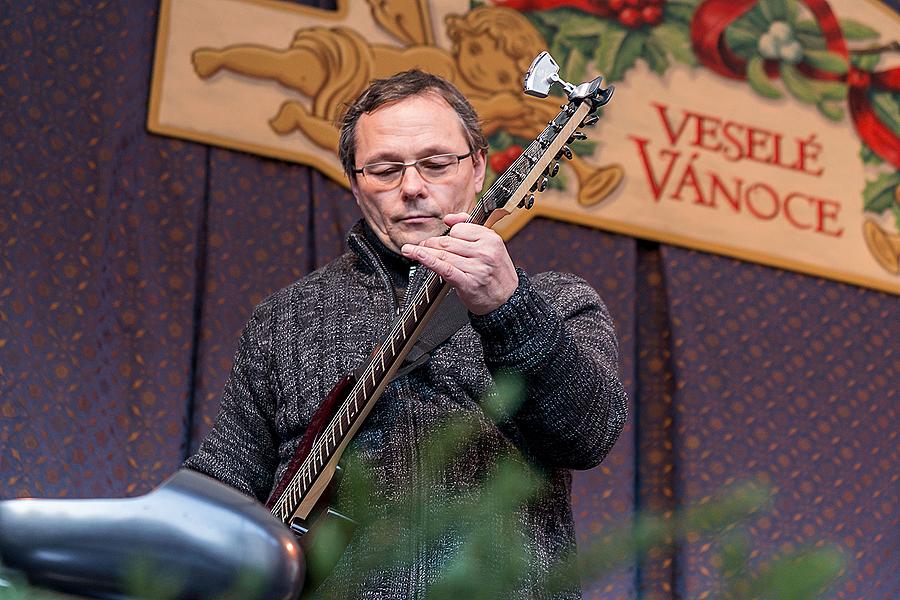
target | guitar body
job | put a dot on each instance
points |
(322, 521)
(314, 430)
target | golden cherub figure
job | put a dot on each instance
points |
(492, 48)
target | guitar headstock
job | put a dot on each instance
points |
(544, 73)
(530, 173)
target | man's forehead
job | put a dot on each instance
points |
(427, 102)
(424, 118)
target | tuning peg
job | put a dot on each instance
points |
(521, 203)
(566, 151)
(554, 170)
(543, 186)
(530, 202)
(590, 120)
(577, 136)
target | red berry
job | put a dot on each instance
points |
(630, 17)
(600, 8)
(498, 162)
(513, 152)
(634, 3)
(616, 5)
(652, 15)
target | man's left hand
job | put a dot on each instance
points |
(471, 258)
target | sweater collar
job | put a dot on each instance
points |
(397, 265)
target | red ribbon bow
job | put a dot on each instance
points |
(713, 17)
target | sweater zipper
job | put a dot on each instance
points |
(414, 458)
(415, 462)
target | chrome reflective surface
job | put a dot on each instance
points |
(192, 535)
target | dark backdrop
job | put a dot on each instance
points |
(131, 261)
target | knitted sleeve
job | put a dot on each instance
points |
(562, 343)
(240, 449)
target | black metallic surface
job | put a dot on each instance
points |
(192, 532)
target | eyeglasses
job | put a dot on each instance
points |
(433, 169)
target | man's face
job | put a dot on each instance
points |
(404, 131)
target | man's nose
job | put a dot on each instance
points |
(411, 183)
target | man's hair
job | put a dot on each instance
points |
(399, 87)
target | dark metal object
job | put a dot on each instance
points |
(192, 533)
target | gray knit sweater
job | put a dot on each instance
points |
(554, 332)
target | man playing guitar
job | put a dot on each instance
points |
(415, 156)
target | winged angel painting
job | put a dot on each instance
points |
(492, 47)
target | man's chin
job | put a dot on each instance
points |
(417, 231)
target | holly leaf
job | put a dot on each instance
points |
(678, 12)
(868, 156)
(759, 81)
(546, 22)
(555, 17)
(854, 30)
(742, 40)
(773, 10)
(587, 46)
(798, 85)
(887, 108)
(608, 49)
(677, 41)
(756, 19)
(831, 90)
(878, 195)
(559, 50)
(500, 139)
(631, 49)
(811, 41)
(575, 66)
(583, 147)
(585, 27)
(865, 62)
(832, 62)
(830, 110)
(655, 55)
(793, 11)
(807, 26)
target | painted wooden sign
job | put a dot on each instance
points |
(761, 129)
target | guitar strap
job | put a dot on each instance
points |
(447, 320)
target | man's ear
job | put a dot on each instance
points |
(480, 166)
(354, 187)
